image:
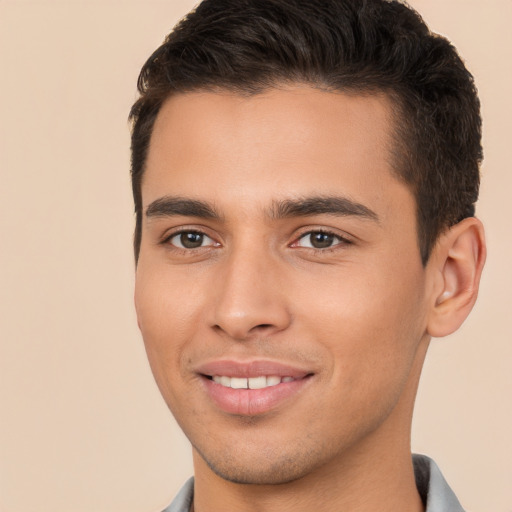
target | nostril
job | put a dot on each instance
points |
(241, 320)
(261, 327)
(241, 333)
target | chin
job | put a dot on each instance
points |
(257, 476)
(265, 469)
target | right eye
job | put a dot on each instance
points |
(190, 240)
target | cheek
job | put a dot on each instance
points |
(166, 316)
(166, 304)
(167, 311)
(370, 323)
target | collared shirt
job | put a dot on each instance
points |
(433, 489)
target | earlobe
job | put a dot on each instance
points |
(458, 259)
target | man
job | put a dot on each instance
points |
(304, 175)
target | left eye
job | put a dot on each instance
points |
(319, 240)
(190, 240)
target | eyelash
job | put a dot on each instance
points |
(340, 240)
(181, 232)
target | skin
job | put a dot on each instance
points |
(357, 315)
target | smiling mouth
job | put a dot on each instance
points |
(252, 387)
(249, 396)
(260, 382)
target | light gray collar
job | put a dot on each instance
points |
(433, 489)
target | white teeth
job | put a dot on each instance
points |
(257, 382)
(238, 383)
(273, 381)
(251, 382)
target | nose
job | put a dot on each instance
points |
(251, 297)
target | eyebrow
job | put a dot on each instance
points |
(169, 206)
(331, 205)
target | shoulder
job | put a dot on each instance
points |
(183, 499)
(433, 488)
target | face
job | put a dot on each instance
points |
(279, 289)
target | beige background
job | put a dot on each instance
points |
(82, 426)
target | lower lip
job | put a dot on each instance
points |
(250, 402)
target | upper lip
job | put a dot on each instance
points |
(248, 369)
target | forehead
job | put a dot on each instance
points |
(293, 141)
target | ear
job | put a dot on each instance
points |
(457, 261)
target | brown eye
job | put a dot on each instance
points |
(319, 240)
(190, 240)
